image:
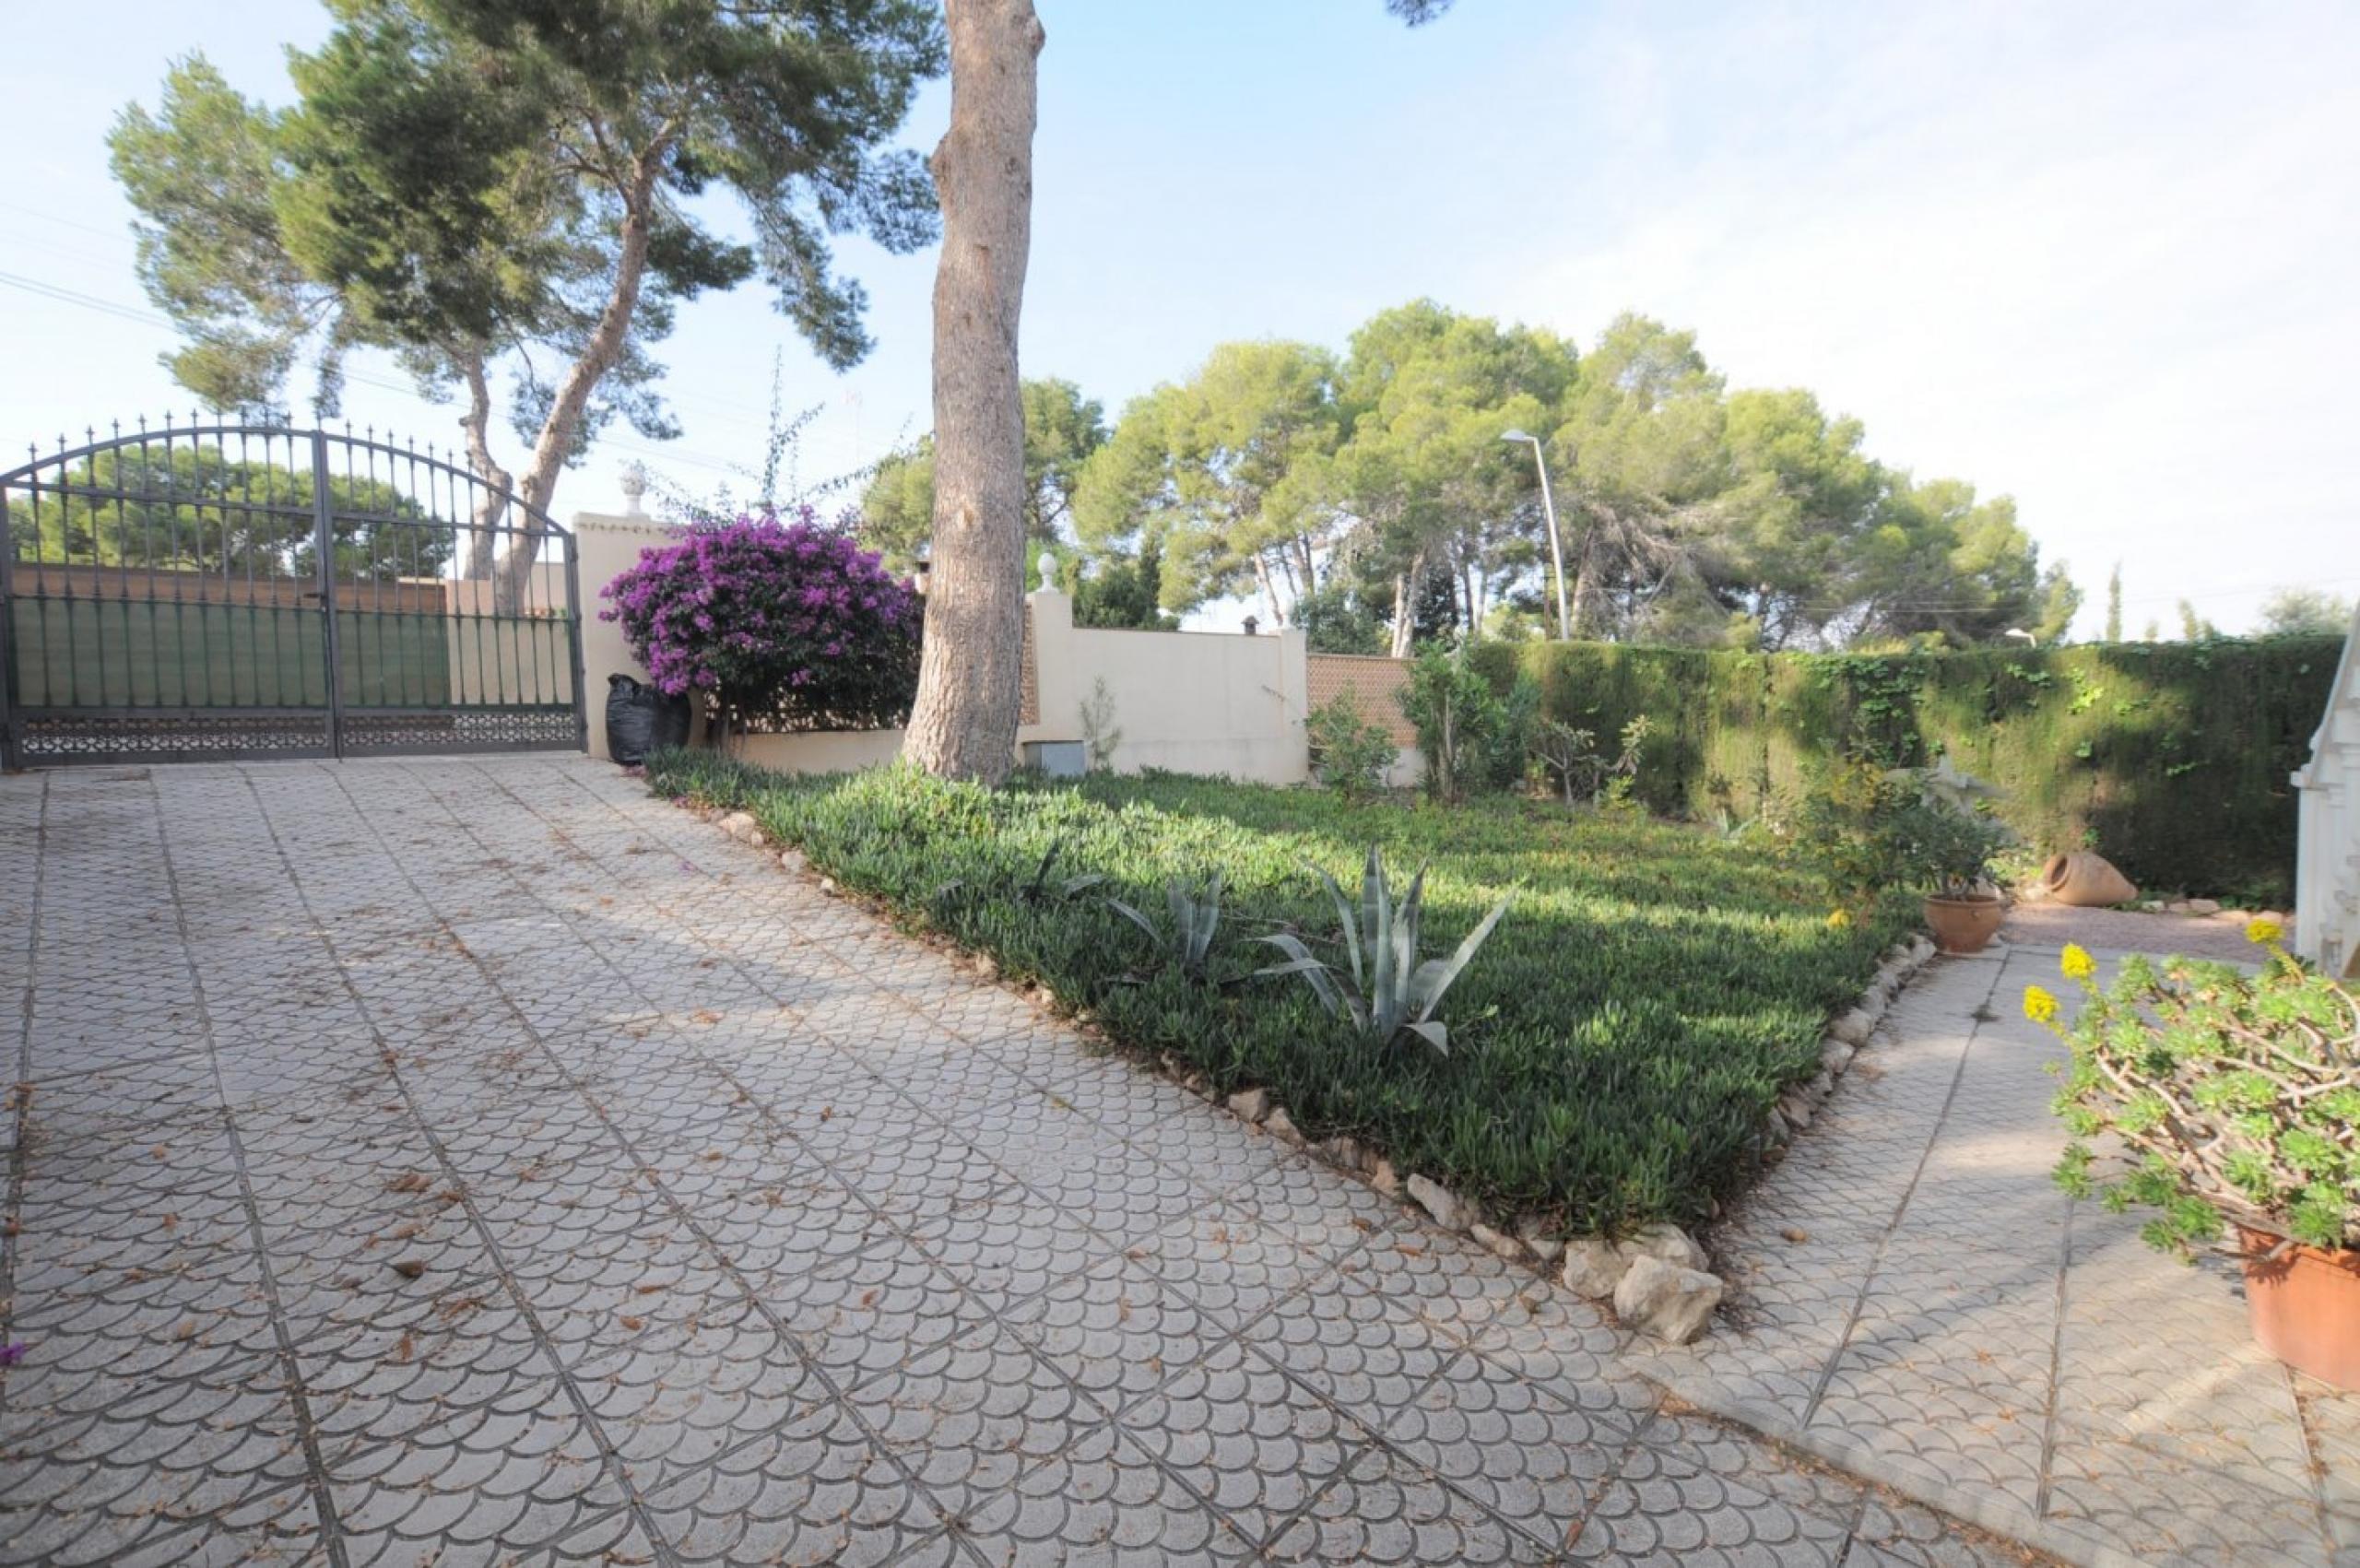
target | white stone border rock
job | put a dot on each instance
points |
(1657, 1279)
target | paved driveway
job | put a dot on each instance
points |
(1918, 1299)
(467, 1162)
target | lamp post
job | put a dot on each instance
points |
(2018, 634)
(1556, 552)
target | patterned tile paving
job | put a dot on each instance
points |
(482, 1162)
(1912, 1284)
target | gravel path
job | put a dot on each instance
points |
(2050, 925)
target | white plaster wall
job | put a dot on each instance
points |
(2327, 856)
(820, 751)
(1196, 702)
(604, 547)
(1408, 769)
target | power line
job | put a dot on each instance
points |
(64, 222)
(148, 318)
(88, 301)
(732, 412)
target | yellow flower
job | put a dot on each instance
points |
(2077, 963)
(2040, 1005)
(1840, 920)
(2263, 929)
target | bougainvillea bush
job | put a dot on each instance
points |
(771, 623)
(2235, 1095)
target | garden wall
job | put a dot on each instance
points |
(2172, 758)
(1374, 684)
(1198, 702)
(523, 655)
(1190, 702)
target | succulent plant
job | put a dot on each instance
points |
(1196, 916)
(1387, 990)
(2237, 1094)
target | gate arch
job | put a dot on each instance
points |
(234, 590)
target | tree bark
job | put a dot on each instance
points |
(1269, 589)
(1585, 580)
(493, 505)
(513, 580)
(1406, 586)
(964, 723)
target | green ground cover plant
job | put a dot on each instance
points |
(1614, 1044)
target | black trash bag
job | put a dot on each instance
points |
(642, 721)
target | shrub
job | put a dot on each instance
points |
(1613, 1048)
(1101, 736)
(1348, 753)
(1863, 829)
(1840, 830)
(772, 623)
(2237, 1095)
(1585, 772)
(1475, 738)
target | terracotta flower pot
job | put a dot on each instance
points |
(2085, 881)
(1964, 926)
(2304, 1305)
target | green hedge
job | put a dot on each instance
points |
(2170, 759)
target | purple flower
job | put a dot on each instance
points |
(13, 1351)
(773, 618)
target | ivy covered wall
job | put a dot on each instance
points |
(2171, 758)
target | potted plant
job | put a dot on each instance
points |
(1947, 852)
(1866, 830)
(2235, 1096)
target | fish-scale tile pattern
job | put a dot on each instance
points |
(1910, 1279)
(482, 1162)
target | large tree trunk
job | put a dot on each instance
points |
(963, 724)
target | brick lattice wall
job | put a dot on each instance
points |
(1373, 681)
(1028, 664)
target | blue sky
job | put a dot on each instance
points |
(2095, 256)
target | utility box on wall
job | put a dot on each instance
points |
(1056, 759)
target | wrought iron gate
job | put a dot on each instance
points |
(209, 591)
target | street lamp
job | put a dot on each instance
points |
(2019, 634)
(1556, 553)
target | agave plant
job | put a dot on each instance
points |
(1387, 990)
(1045, 888)
(1196, 916)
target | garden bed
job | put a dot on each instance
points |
(1615, 1046)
